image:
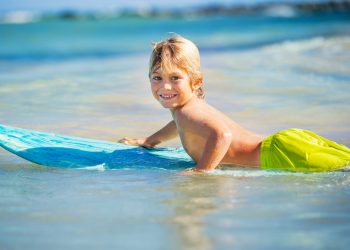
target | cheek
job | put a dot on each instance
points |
(153, 87)
(189, 88)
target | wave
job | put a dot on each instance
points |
(59, 40)
(297, 45)
(337, 44)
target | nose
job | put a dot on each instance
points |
(167, 85)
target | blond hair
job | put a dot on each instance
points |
(180, 52)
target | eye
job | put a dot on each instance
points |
(175, 78)
(156, 78)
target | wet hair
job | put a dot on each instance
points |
(180, 52)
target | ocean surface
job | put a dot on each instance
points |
(268, 71)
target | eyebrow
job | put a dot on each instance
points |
(171, 73)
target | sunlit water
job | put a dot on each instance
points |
(54, 208)
(265, 73)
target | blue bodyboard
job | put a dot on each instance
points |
(55, 150)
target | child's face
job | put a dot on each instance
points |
(171, 89)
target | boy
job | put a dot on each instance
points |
(210, 137)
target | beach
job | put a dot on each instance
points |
(88, 77)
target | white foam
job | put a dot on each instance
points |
(100, 167)
(19, 17)
(338, 44)
(264, 173)
(346, 169)
(297, 46)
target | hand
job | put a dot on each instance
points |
(135, 142)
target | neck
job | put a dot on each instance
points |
(194, 99)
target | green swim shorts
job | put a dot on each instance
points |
(302, 151)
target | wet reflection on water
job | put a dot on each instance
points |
(195, 198)
(225, 209)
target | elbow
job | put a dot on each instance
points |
(223, 136)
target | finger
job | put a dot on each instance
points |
(123, 140)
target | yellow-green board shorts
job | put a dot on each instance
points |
(302, 151)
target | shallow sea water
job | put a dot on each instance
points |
(292, 83)
(157, 209)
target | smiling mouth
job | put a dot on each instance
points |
(167, 97)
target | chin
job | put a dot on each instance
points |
(169, 105)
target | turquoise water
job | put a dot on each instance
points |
(89, 78)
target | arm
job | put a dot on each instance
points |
(215, 148)
(168, 132)
(216, 135)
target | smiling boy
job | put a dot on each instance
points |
(210, 137)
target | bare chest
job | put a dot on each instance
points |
(192, 142)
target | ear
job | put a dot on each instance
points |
(196, 85)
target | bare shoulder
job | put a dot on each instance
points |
(194, 112)
(200, 115)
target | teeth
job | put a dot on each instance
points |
(167, 96)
